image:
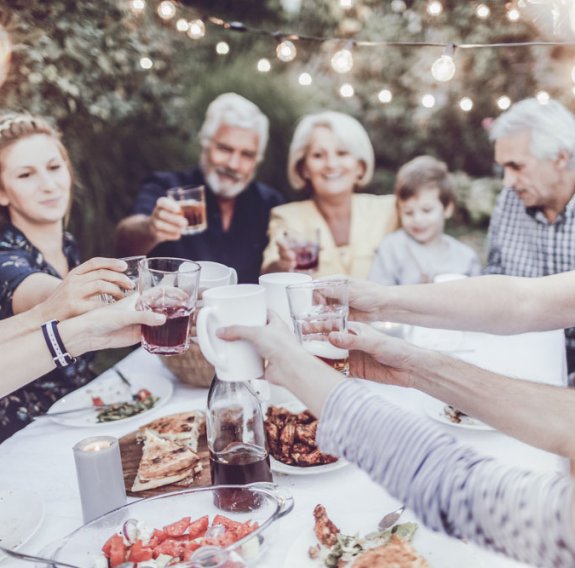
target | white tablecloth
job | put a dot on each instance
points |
(39, 458)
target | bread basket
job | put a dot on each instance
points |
(191, 368)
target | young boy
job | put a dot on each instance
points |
(420, 250)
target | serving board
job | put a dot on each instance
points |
(131, 452)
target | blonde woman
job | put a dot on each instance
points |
(36, 253)
(331, 158)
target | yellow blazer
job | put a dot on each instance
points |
(372, 217)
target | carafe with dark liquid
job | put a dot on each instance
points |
(237, 443)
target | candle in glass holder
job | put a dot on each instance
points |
(100, 475)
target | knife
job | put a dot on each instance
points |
(81, 409)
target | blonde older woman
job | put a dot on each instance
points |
(331, 157)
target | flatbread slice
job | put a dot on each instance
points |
(184, 428)
(397, 552)
(144, 485)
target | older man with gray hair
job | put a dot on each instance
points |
(532, 230)
(233, 140)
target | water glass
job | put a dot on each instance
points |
(192, 202)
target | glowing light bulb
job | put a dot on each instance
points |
(286, 51)
(166, 10)
(264, 65)
(482, 11)
(385, 96)
(443, 69)
(465, 104)
(137, 6)
(434, 8)
(513, 14)
(182, 25)
(346, 4)
(197, 29)
(543, 97)
(222, 48)
(342, 61)
(346, 91)
(504, 102)
(146, 63)
(305, 80)
(398, 5)
(428, 101)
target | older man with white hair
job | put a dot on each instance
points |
(532, 230)
(233, 140)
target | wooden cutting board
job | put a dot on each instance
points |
(131, 452)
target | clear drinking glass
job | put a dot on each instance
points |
(131, 272)
(192, 202)
(318, 308)
(306, 248)
(168, 286)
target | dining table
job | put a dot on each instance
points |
(38, 460)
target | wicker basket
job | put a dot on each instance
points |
(191, 368)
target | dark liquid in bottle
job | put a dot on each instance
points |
(173, 332)
(239, 465)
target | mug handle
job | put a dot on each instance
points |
(234, 276)
(203, 325)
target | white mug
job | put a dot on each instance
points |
(243, 304)
(275, 284)
(214, 274)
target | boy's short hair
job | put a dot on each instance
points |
(424, 172)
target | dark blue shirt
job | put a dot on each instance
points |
(240, 247)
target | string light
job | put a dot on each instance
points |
(166, 10)
(346, 91)
(428, 101)
(385, 96)
(182, 25)
(197, 29)
(482, 11)
(512, 12)
(346, 4)
(466, 104)
(264, 65)
(146, 63)
(342, 61)
(434, 8)
(305, 80)
(443, 69)
(286, 51)
(222, 48)
(504, 102)
(543, 97)
(137, 6)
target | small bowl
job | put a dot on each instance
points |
(267, 504)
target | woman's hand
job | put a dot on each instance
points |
(378, 357)
(287, 258)
(82, 287)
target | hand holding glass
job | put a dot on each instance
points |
(306, 249)
(192, 202)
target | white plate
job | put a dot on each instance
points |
(280, 467)
(436, 409)
(437, 339)
(439, 550)
(21, 514)
(110, 389)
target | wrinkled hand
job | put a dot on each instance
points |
(364, 301)
(80, 290)
(287, 258)
(166, 221)
(376, 356)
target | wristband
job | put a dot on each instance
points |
(59, 353)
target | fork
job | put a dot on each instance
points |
(390, 519)
(30, 558)
(124, 379)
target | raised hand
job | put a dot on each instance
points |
(166, 222)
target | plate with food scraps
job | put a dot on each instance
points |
(149, 392)
(294, 433)
(447, 414)
(437, 550)
(21, 514)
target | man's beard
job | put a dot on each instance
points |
(226, 188)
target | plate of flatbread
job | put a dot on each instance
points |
(167, 454)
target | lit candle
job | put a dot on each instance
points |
(100, 476)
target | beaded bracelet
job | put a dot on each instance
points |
(59, 353)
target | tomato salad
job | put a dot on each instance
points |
(173, 543)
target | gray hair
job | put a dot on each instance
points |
(349, 132)
(551, 125)
(231, 109)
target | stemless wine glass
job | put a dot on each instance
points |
(306, 246)
(192, 202)
(318, 308)
(131, 272)
(168, 286)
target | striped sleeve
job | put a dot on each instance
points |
(523, 514)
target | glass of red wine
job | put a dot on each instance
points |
(306, 248)
(168, 286)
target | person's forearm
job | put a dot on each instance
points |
(134, 236)
(538, 414)
(21, 324)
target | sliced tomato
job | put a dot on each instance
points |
(198, 527)
(117, 551)
(245, 528)
(225, 522)
(179, 527)
(170, 547)
(108, 544)
(97, 401)
(157, 537)
(143, 394)
(138, 552)
(190, 547)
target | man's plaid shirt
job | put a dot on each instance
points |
(522, 242)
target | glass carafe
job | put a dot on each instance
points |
(236, 441)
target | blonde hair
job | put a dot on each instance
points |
(18, 126)
(348, 131)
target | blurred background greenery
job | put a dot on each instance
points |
(129, 90)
